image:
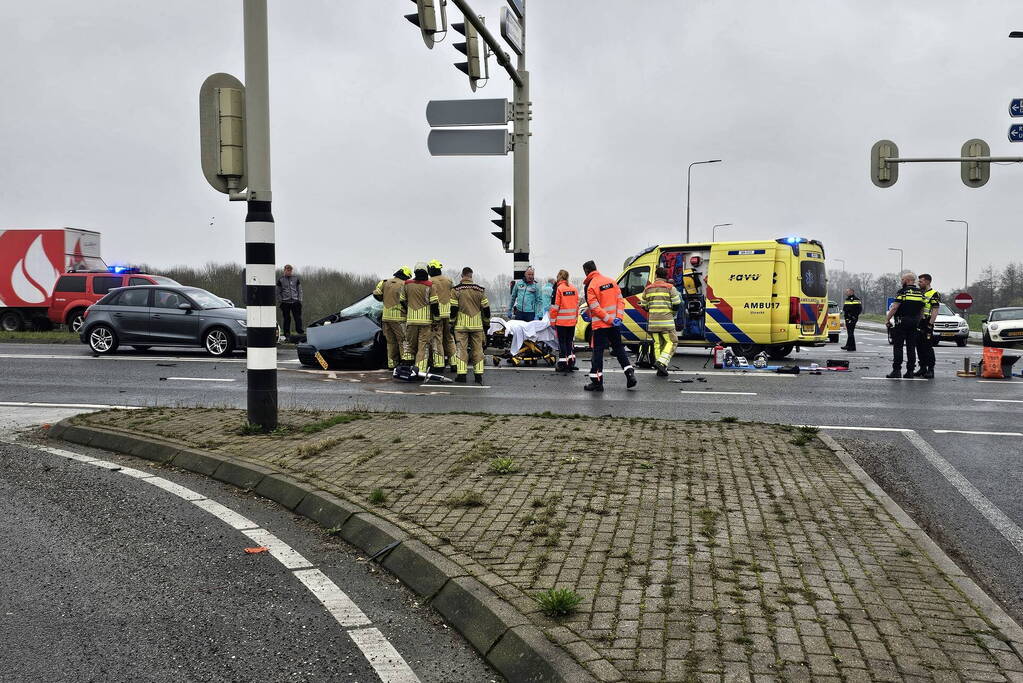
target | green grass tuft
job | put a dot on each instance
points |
(558, 602)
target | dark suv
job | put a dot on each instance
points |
(147, 316)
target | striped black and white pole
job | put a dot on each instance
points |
(260, 285)
(261, 308)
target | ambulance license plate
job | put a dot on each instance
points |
(809, 328)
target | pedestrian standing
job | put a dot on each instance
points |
(289, 293)
(421, 309)
(443, 336)
(851, 310)
(393, 317)
(470, 311)
(925, 337)
(547, 297)
(661, 301)
(526, 302)
(907, 309)
(606, 308)
(564, 314)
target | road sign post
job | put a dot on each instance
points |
(963, 300)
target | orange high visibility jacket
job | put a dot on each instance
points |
(565, 309)
(604, 299)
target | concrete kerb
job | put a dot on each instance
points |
(516, 648)
(992, 611)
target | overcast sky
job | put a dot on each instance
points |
(99, 129)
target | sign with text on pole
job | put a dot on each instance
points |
(1016, 132)
(963, 300)
(518, 6)
(511, 30)
(1016, 107)
(489, 112)
(458, 143)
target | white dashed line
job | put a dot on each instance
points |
(997, 400)
(200, 379)
(340, 606)
(959, 431)
(998, 519)
(718, 393)
(382, 656)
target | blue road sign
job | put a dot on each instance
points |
(1016, 132)
(1016, 107)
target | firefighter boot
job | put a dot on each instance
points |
(662, 369)
(478, 378)
(460, 378)
(596, 384)
(630, 377)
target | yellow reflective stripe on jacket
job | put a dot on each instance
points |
(419, 316)
(469, 322)
(929, 301)
(393, 314)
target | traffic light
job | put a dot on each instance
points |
(504, 223)
(882, 173)
(471, 49)
(426, 19)
(975, 173)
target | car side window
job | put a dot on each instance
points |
(101, 284)
(635, 281)
(164, 298)
(133, 297)
(70, 283)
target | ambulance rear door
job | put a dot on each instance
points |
(739, 292)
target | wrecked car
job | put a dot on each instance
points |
(350, 339)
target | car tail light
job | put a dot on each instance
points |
(793, 310)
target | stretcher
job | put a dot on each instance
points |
(529, 343)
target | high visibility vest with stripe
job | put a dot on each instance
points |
(604, 299)
(417, 295)
(931, 299)
(661, 299)
(389, 292)
(565, 310)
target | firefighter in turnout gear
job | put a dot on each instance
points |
(662, 300)
(564, 314)
(393, 318)
(421, 309)
(443, 338)
(851, 309)
(907, 309)
(925, 336)
(606, 308)
(470, 313)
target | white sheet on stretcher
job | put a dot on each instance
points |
(520, 331)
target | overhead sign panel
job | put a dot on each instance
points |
(519, 7)
(490, 112)
(459, 143)
(511, 30)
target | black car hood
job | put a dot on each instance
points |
(342, 333)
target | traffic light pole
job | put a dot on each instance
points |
(260, 288)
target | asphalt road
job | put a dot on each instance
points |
(948, 449)
(109, 578)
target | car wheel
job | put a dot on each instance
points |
(832, 338)
(779, 352)
(218, 341)
(987, 340)
(12, 321)
(76, 319)
(141, 348)
(102, 339)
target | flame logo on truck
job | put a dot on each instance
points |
(33, 276)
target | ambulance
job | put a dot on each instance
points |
(752, 296)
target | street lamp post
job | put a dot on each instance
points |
(966, 267)
(901, 260)
(843, 262)
(714, 230)
(689, 185)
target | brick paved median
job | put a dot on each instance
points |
(701, 551)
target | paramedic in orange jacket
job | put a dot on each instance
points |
(606, 308)
(564, 314)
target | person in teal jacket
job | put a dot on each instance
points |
(527, 298)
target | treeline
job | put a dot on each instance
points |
(992, 289)
(324, 290)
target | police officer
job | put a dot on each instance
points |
(907, 309)
(851, 310)
(925, 337)
(393, 318)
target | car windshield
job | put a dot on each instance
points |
(832, 307)
(204, 299)
(367, 306)
(945, 310)
(1006, 314)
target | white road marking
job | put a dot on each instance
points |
(718, 393)
(155, 359)
(999, 381)
(959, 431)
(997, 400)
(105, 464)
(177, 489)
(84, 406)
(899, 379)
(70, 455)
(225, 514)
(730, 373)
(466, 386)
(998, 519)
(865, 429)
(337, 602)
(284, 553)
(389, 665)
(200, 379)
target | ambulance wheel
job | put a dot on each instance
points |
(832, 338)
(748, 350)
(779, 352)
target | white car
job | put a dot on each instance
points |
(1003, 326)
(950, 326)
